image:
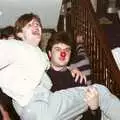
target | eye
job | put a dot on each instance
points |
(57, 49)
(68, 50)
(29, 24)
(36, 23)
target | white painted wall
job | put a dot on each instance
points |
(48, 10)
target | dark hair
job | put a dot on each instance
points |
(1, 117)
(23, 20)
(6, 103)
(7, 32)
(59, 37)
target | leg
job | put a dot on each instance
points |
(66, 104)
(61, 105)
(109, 104)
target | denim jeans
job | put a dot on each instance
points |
(67, 104)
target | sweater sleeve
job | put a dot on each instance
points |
(81, 61)
(21, 64)
(5, 55)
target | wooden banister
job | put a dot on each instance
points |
(82, 18)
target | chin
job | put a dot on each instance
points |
(63, 64)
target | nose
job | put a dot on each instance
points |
(63, 54)
(35, 25)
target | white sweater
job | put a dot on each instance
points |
(21, 69)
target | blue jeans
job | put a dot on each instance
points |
(67, 104)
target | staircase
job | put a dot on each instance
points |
(79, 16)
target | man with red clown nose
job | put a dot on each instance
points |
(59, 49)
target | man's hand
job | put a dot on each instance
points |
(78, 76)
(92, 98)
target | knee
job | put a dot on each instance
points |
(101, 88)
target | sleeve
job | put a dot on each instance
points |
(47, 60)
(81, 61)
(5, 55)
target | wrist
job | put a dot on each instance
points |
(94, 111)
(93, 108)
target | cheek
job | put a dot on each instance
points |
(27, 34)
(68, 55)
(40, 31)
(54, 55)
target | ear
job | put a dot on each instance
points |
(49, 54)
(20, 35)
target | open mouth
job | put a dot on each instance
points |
(62, 58)
(35, 32)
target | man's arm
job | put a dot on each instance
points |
(81, 62)
(78, 76)
(5, 55)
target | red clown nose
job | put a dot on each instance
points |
(63, 54)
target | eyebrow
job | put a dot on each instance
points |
(61, 48)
